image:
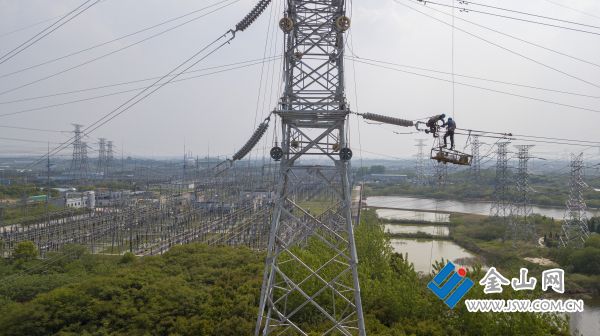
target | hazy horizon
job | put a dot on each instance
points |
(219, 111)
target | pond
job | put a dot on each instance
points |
(435, 230)
(423, 252)
(587, 323)
(417, 216)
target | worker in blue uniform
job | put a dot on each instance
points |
(450, 127)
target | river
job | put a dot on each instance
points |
(423, 252)
(430, 204)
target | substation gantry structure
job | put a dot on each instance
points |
(314, 116)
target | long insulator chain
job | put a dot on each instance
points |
(388, 120)
(254, 139)
(253, 15)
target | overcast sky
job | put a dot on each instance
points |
(219, 111)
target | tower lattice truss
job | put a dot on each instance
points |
(501, 206)
(420, 176)
(575, 228)
(102, 155)
(79, 163)
(476, 163)
(314, 114)
(520, 224)
(441, 175)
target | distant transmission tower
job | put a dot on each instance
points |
(110, 157)
(102, 155)
(314, 114)
(501, 206)
(84, 159)
(521, 227)
(476, 163)
(420, 177)
(79, 164)
(575, 227)
(441, 175)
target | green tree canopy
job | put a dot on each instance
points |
(25, 250)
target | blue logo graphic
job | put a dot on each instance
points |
(454, 288)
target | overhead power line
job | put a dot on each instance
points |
(501, 47)
(57, 94)
(28, 140)
(128, 90)
(466, 3)
(482, 88)
(31, 25)
(33, 129)
(524, 136)
(512, 138)
(112, 40)
(47, 31)
(114, 51)
(476, 78)
(184, 66)
(464, 9)
(489, 134)
(573, 9)
(518, 38)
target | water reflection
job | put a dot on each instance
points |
(586, 323)
(422, 253)
(435, 230)
(417, 216)
(430, 204)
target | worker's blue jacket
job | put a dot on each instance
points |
(451, 125)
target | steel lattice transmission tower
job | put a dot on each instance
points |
(501, 206)
(441, 174)
(110, 157)
(314, 113)
(521, 227)
(575, 228)
(84, 159)
(476, 163)
(102, 155)
(79, 163)
(420, 177)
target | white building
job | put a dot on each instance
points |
(86, 199)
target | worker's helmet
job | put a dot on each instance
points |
(449, 119)
(443, 115)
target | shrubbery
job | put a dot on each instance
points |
(201, 290)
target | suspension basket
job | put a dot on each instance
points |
(441, 154)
